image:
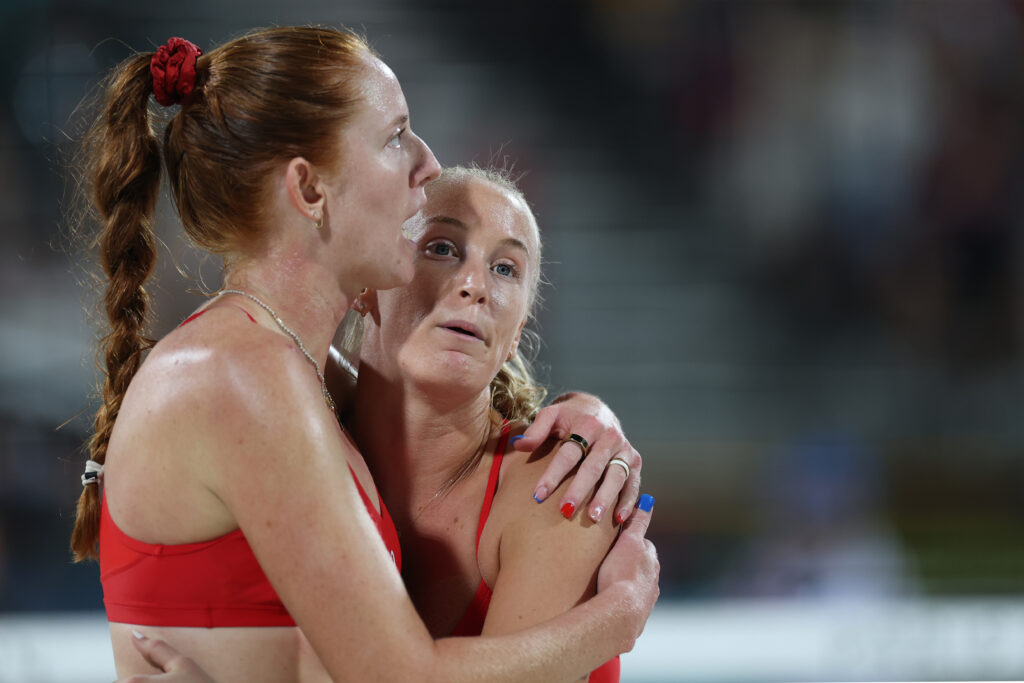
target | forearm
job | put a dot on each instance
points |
(560, 649)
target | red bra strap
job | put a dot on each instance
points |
(192, 317)
(492, 482)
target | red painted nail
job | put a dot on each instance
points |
(618, 518)
(568, 509)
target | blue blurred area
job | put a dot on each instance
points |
(784, 243)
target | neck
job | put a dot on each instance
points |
(412, 441)
(302, 294)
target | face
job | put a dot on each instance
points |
(461, 315)
(378, 186)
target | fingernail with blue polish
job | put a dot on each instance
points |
(540, 494)
(515, 438)
(646, 503)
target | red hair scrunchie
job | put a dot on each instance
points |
(174, 71)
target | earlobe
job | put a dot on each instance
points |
(515, 342)
(519, 334)
(364, 302)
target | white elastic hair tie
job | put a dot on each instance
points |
(93, 472)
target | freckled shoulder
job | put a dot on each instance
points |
(224, 352)
(216, 378)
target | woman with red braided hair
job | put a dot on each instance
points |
(230, 497)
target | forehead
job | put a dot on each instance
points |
(483, 206)
(383, 99)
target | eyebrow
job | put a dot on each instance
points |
(403, 118)
(450, 220)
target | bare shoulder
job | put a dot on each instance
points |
(518, 512)
(222, 365)
(217, 403)
(218, 387)
(538, 563)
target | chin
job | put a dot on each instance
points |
(451, 371)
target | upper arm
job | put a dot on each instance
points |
(281, 471)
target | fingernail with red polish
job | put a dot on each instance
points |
(540, 494)
(619, 519)
(568, 509)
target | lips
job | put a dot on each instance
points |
(463, 327)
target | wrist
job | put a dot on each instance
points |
(626, 611)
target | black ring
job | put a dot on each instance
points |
(579, 441)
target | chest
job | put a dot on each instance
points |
(440, 565)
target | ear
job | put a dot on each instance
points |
(305, 188)
(515, 340)
(366, 302)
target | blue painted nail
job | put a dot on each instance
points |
(646, 503)
(515, 438)
(540, 494)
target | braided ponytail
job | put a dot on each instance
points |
(123, 157)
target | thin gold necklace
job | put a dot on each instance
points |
(298, 342)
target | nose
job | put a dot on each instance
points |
(428, 168)
(472, 283)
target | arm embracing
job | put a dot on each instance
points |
(290, 489)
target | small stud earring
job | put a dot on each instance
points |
(318, 220)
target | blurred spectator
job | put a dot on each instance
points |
(818, 532)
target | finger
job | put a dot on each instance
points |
(156, 652)
(539, 431)
(630, 493)
(566, 457)
(608, 494)
(590, 471)
(638, 523)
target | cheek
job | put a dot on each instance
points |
(510, 310)
(405, 308)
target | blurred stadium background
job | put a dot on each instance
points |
(784, 243)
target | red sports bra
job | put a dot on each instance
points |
(472, 622)
(209, 584)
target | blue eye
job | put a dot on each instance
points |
(506, 270)
(441, 248)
